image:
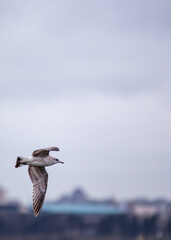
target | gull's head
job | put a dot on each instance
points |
(57, 161)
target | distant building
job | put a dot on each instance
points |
(10, 207)
(144, 207)
(3, 199)
(7, 205)
(79, 203)
(78, 196)
(144, 210)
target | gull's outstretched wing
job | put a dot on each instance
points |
(39, 178)
(44, 152)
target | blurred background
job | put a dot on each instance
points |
(92, 78)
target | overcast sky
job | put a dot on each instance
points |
(92, 77)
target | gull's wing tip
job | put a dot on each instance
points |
(44, 151)
(53, 149)
(36, 214)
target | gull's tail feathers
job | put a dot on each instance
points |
(20, 162)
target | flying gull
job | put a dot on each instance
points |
(39, 177)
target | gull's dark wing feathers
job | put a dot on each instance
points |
(44, 152)
(39, 178)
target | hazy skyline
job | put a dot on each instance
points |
(92, 78)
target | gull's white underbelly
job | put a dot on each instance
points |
(41, 162)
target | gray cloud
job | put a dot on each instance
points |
(103, 140)
(92, 77)
(68, 47)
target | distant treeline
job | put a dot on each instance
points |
(72, 225)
